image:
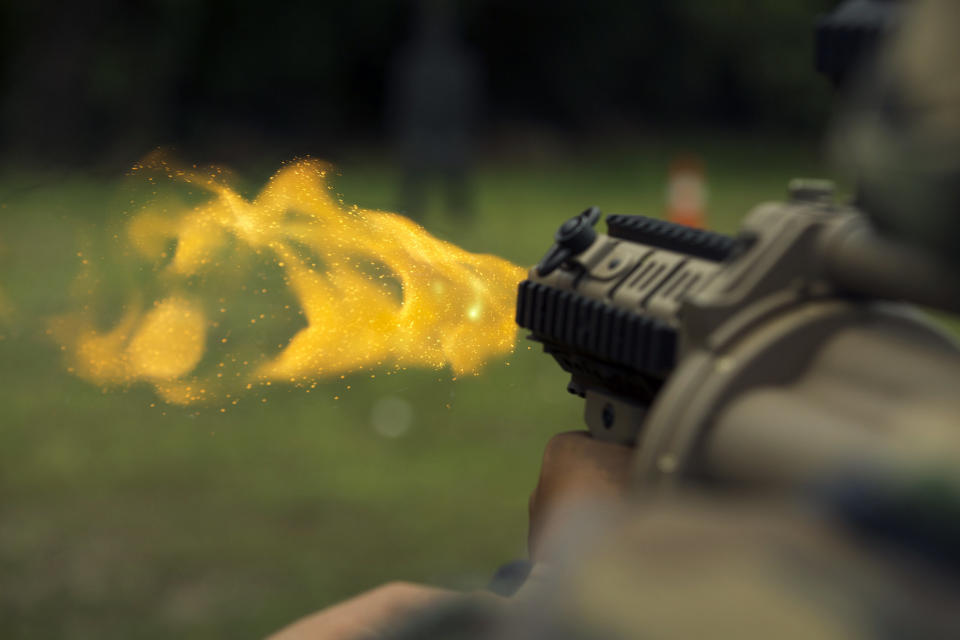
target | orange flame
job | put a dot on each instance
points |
(370, 289)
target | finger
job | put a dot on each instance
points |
(575, 462)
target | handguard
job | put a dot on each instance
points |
(606, 307)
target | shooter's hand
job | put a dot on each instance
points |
(576, 467)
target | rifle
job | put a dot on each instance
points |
(771, 356)
(771, 353)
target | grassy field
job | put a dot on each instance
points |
(119, 521)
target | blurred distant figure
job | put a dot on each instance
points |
(433, 107)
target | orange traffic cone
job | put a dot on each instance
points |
(687, 192)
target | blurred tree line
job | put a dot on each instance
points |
(80, 81)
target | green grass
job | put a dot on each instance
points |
(122, 520)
